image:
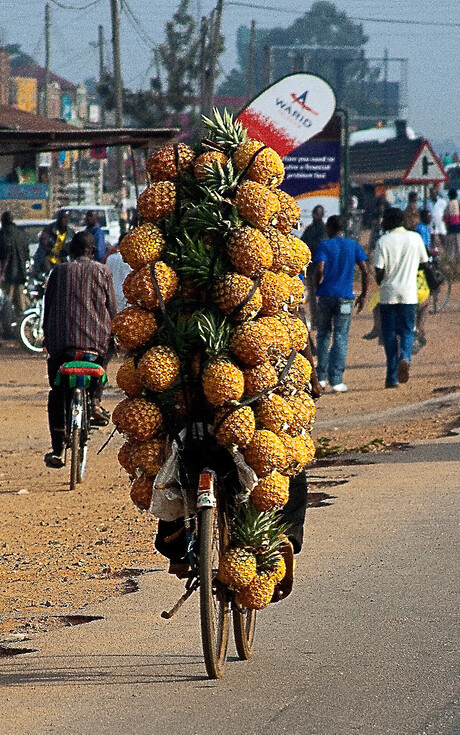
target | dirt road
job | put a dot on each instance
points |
(60, 551)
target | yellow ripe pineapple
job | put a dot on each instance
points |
(126, 458)
(265, 453)
(299, 257)
(230, 292)
(304, 409)
(260, 340)
(133, 327)
(222, 382)
(270, 492)
(259, 378)
(129, 287)
(236, 429)
(141, 492)
(170, 162)
(129, 379)
(237, 567)
(142, 245)
(297, 296)
(140, 419)
(289, 214)
(281, 248)
(296, 378)
(296, 328)
(159, 368)
(118, 410)
(157, 201)
(278, 570)
(258, 594)
(275, 292)
(205, 160)
(249, 251)
(274, 413)
(266, 167)
(298, 454)
(143, 288)
(257, 204)
(281, 343)
(149, 456)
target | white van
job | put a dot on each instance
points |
(109, 220)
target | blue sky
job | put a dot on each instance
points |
(433, 50)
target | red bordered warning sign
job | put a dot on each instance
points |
(426, 168)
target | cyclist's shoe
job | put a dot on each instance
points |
(180, 569)
(54, 461)
(99, 416)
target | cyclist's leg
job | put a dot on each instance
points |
(56, 412)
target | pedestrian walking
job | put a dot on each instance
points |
(398, 255)
(120, 270)
(452, 220)
(436, 206)
(79, 307)
(53, 245)
(335, 262)
(14, 254)
(412, 212)
(92, 225)
(312, 236)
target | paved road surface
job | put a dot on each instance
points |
(366, 643)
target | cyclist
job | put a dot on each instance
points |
(79, 306)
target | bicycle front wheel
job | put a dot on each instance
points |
(75, 458)
(244, 632)
(31, 333)
(440, 296)
(214, 600)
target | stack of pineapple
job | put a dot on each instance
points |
(212, 333)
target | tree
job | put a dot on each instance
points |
(346, 69)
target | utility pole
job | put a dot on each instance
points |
(118, 90)
(47, 57)
(251, 61)
(101, 69)
(209, 54)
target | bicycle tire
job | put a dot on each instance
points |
(244, 632)
(441, 295)
(31, 333)
(75, 457)
(214, 600)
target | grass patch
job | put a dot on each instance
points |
(325, 447)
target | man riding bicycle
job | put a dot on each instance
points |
(79, 306)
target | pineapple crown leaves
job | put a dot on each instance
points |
(207, 217)
(224, 130)
(180, 333)
(221, 180)
(214, 331)
(203, 263)
(259, 531)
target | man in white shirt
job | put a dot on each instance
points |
(120, 270)
(436, 206)
(398, 256)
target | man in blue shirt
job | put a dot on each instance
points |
(335, 261)
(92, 225)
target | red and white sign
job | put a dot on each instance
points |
(426, 168)
(289, 112)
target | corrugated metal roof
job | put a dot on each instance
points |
(379, 161)
(38, 72)
(13, 119)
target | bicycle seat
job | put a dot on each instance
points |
(80, 372)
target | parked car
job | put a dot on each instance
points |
(109, 220)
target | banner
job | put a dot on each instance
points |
(295, 116)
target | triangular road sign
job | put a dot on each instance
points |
(426, 168)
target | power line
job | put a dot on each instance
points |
(75, 7)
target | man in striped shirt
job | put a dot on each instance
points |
(80, 304)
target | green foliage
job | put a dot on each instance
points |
(325, 448)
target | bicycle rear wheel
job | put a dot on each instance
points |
(214, 600)
(75, 458)
(440, 296)
(244, 631)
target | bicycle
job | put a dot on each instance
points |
(207, 539)
(78, 374)
(441, 294)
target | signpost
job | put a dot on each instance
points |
(426, 168)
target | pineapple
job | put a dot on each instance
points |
(289, 214)
(159, 368)
(300, 255)
(237, 567)
(258, 594)
(231, 291)
(296, 378)
(270, 492)
(149, 456)
(249, 251)
(157, 201)
(257, 204)
(225, 131)
(259, 163)
(141, 492)
(298, 454)
(222, 380)
(281, 249)
(297, 296)
(145, 292)
(234, 429)
(265, 453)
(274, 413)
(296, 328)
(304, 409)
(129, 287)
(259, 378)
(257, 341)
(129, 379)
(142, 245)
(275, 292)
(133, 327)
(126, 458)
(118, 410)
(140, 419)
(206, 161)
(169, 163)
